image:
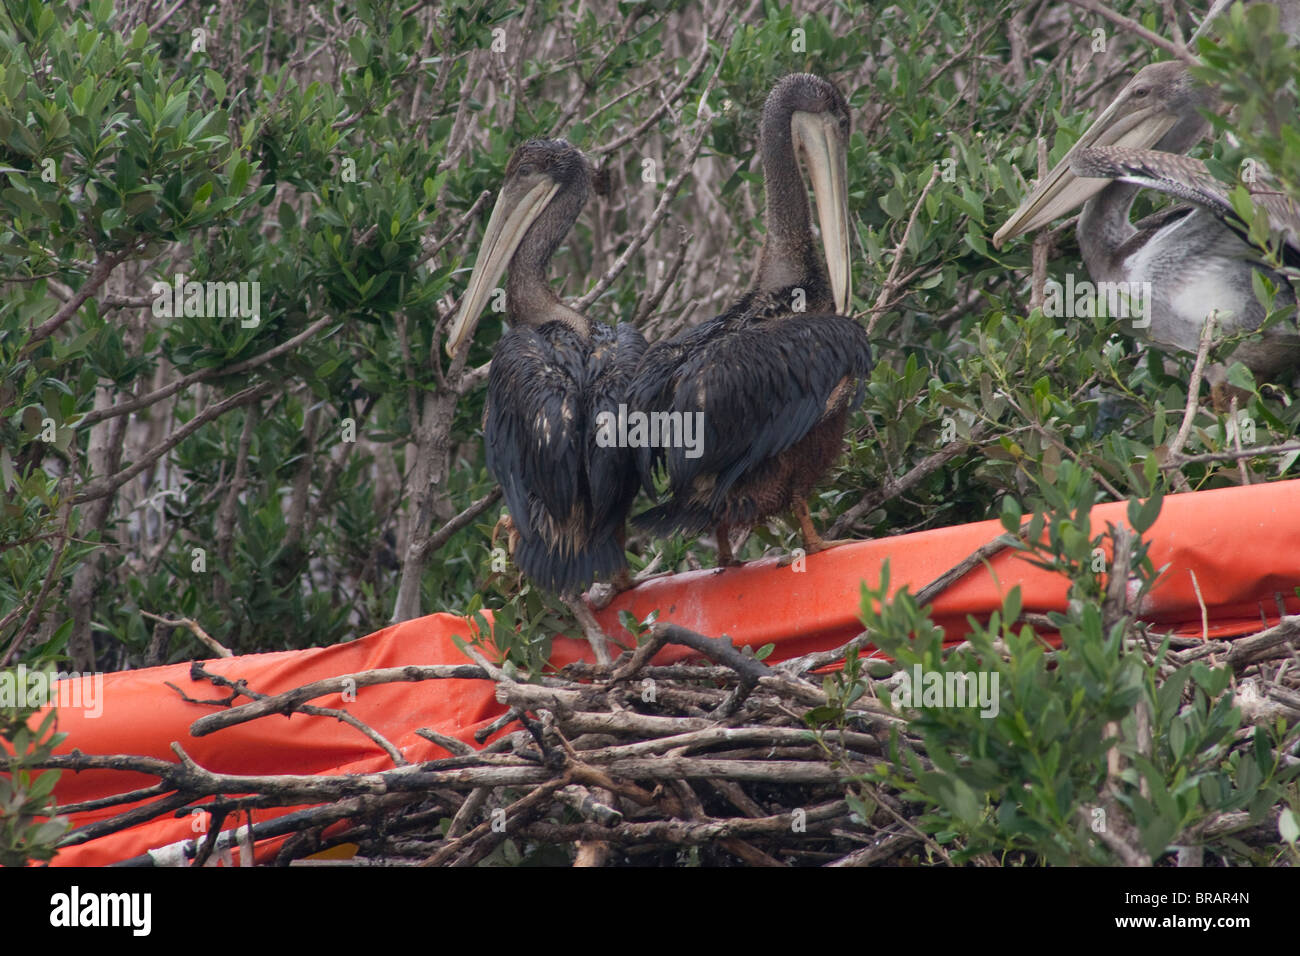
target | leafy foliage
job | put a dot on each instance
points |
(1028, 779)
(29, 828)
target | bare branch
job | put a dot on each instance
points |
(210, 642)
(661, 210)
(107, 485)
(1137, 29)
(675, 94)
(98, 276)
(203, 375)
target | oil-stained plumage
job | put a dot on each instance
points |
(777, 374)
(552, 374)
(1195, 257)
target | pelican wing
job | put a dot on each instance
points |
(655, 383)
(761, 387)
(1187, 179)
(534, 433)
(611, 366)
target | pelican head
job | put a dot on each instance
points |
(545, 188)
(1159, 108)
(818, 118)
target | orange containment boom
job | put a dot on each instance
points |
(1242, 543)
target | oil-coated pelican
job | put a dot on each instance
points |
(775, 376)
(553, 373)
(1194, 259)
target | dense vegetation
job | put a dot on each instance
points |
(303, 477)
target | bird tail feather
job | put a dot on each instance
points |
(569, 572)
(676, 517)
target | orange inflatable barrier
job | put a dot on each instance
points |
(1242, 543)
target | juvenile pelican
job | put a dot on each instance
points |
(1194, 259)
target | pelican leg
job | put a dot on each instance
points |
(725, 557)
(812, 541)
(590, 629)
(505, 526)
(600, 594)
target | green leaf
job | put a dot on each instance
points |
(216, 83)
(239, 177)
(1288, 826)
(1142, 515)
(1011, 605)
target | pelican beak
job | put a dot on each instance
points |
(517, 208)
(1060, 191)
(818, 135)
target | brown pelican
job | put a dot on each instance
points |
(1194, 260)
(772, 379)
(553, 374)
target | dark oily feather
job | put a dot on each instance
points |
(561, 569)
(761, 384)
(780, 389)
(611, 471)
(657, 380)
(536, 417)
(568, 497)
(652, 389)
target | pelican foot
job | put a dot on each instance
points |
(814, 547)
(726, 554)
(727, 560)
(821, 544)
(506, 526)
(600, 594)
(812, 541)
(649, 574)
